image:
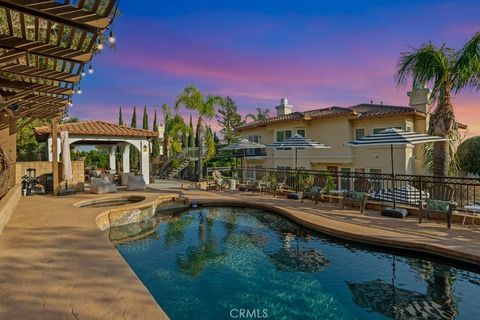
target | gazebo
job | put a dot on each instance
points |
(106, 136)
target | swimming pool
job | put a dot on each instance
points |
(222, 263)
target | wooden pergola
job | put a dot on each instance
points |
(45, 46)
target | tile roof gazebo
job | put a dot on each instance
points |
(107, 136)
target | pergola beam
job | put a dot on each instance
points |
(63, 14)
(41, 73)
(44, 49)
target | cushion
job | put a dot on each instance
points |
(438, 205)
(315, 189)
(136, 183)
(295, 196)
(358, 195)
(99, 186)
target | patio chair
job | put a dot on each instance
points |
(360, 194)
(218, 181)
(314, 192)
(440, 200)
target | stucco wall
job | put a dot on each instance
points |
(335, 132)
(45, 167)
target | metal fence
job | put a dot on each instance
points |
(409, 189)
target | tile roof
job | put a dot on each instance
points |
(96, 128)
(359, 111)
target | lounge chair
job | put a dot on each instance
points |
(314, 192)
(136, 182)
(440, 200)
(218, 181)
(101, 185)
(360, 194)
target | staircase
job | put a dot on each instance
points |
(183, 158)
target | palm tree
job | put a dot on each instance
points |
(261, 115)
(449, 71)
(173, 125)
(193, 99)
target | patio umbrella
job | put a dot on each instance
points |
(243, 144)
(298, 142)
(66, 159)
(394, 137)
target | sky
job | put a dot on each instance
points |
(315, 53)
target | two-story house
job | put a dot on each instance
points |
(335, 126)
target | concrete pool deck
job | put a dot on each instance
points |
(56, 263)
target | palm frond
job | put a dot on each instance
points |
(428, 153)
(467, 65)
(425, 64)
(190, 98)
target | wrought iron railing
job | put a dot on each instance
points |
(185, 154)
(409, 189)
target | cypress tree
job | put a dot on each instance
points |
(134, 153)
(156, 140)
(133, 124)
(191, 135)
(120, 117)
(145, 119)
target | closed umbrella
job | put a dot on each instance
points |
(298, 142)
(394, 137)
(66, 159)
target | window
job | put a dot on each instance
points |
(301, 132)
(378, 130)
(284, 134)
(359, 133)
(254, 138)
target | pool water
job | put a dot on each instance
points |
(227, 263)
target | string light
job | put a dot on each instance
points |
(90, 69)
(111, 38)
(83, 73)
(99, 45)
(79, 90)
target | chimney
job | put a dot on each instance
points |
(420, 98)
(284, 108)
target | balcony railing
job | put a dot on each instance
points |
(409, 189)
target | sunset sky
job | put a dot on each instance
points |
(315, 53)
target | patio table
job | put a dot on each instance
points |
(337, 194)
(474, 209)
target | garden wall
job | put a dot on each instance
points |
(45, 167)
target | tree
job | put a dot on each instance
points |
(191, 135)
(134, 153)
(173, 125)
(28, 149)
(210, 146)
(449, 71)
(261, 115)
(469, 155)
(120, 117)
(193, 99)
(229, 119)
(156, 140)
(145, 119)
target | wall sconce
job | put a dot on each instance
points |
(145, 148)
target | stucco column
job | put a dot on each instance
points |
(126, 157)
(112, 162)
(50, 149)
(145, 160)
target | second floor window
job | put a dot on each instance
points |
(301, 132)
(282, 135)
(359, 133)
(254, 138)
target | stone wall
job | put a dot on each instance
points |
(45, 167)
(8, 204)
